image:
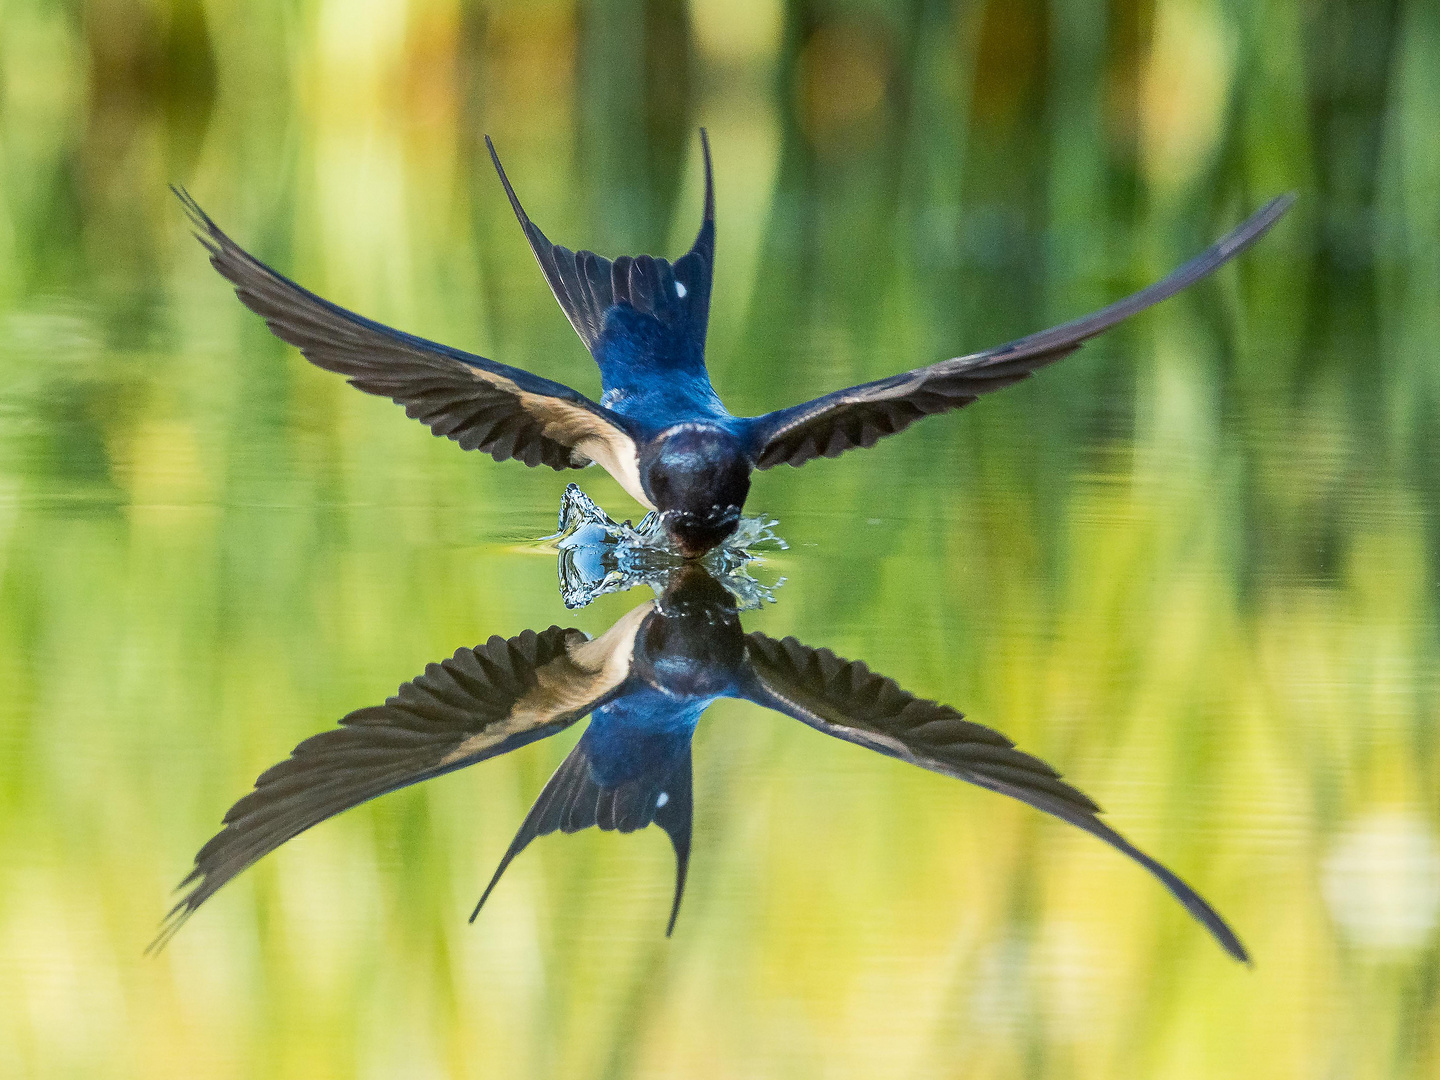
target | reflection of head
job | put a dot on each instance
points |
(692, 644)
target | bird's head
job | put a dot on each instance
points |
(697, 476)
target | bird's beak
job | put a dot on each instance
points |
(694, 534)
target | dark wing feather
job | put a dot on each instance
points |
(482, 405)
(862, 415)
(844, 698)
(477, 704)
(588, 285)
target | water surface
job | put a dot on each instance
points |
(1193, 566)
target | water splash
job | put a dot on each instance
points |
(599, 555)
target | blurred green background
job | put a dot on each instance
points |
(1193, 566)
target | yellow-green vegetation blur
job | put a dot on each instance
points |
(1194, 566)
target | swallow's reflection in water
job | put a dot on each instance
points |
(645, 683)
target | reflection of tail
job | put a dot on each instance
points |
(574, 799)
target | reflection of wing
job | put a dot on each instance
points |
(479, 703)
(576, 798)
(861, 415)
(588, 285)
(482, 405)
(846, 699)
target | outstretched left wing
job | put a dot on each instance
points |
(844, 698)
(481, 404)
(478, 704)
(862, 415)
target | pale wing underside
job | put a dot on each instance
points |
(862, 415)
(844, 698)
(480, 404)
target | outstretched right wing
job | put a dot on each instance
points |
(864, 414)
(481, 404)
(478, 704)
(844, 698)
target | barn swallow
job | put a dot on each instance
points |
(659, 427)
(645, 683)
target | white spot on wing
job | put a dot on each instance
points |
(680, 289)
(662, 800)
